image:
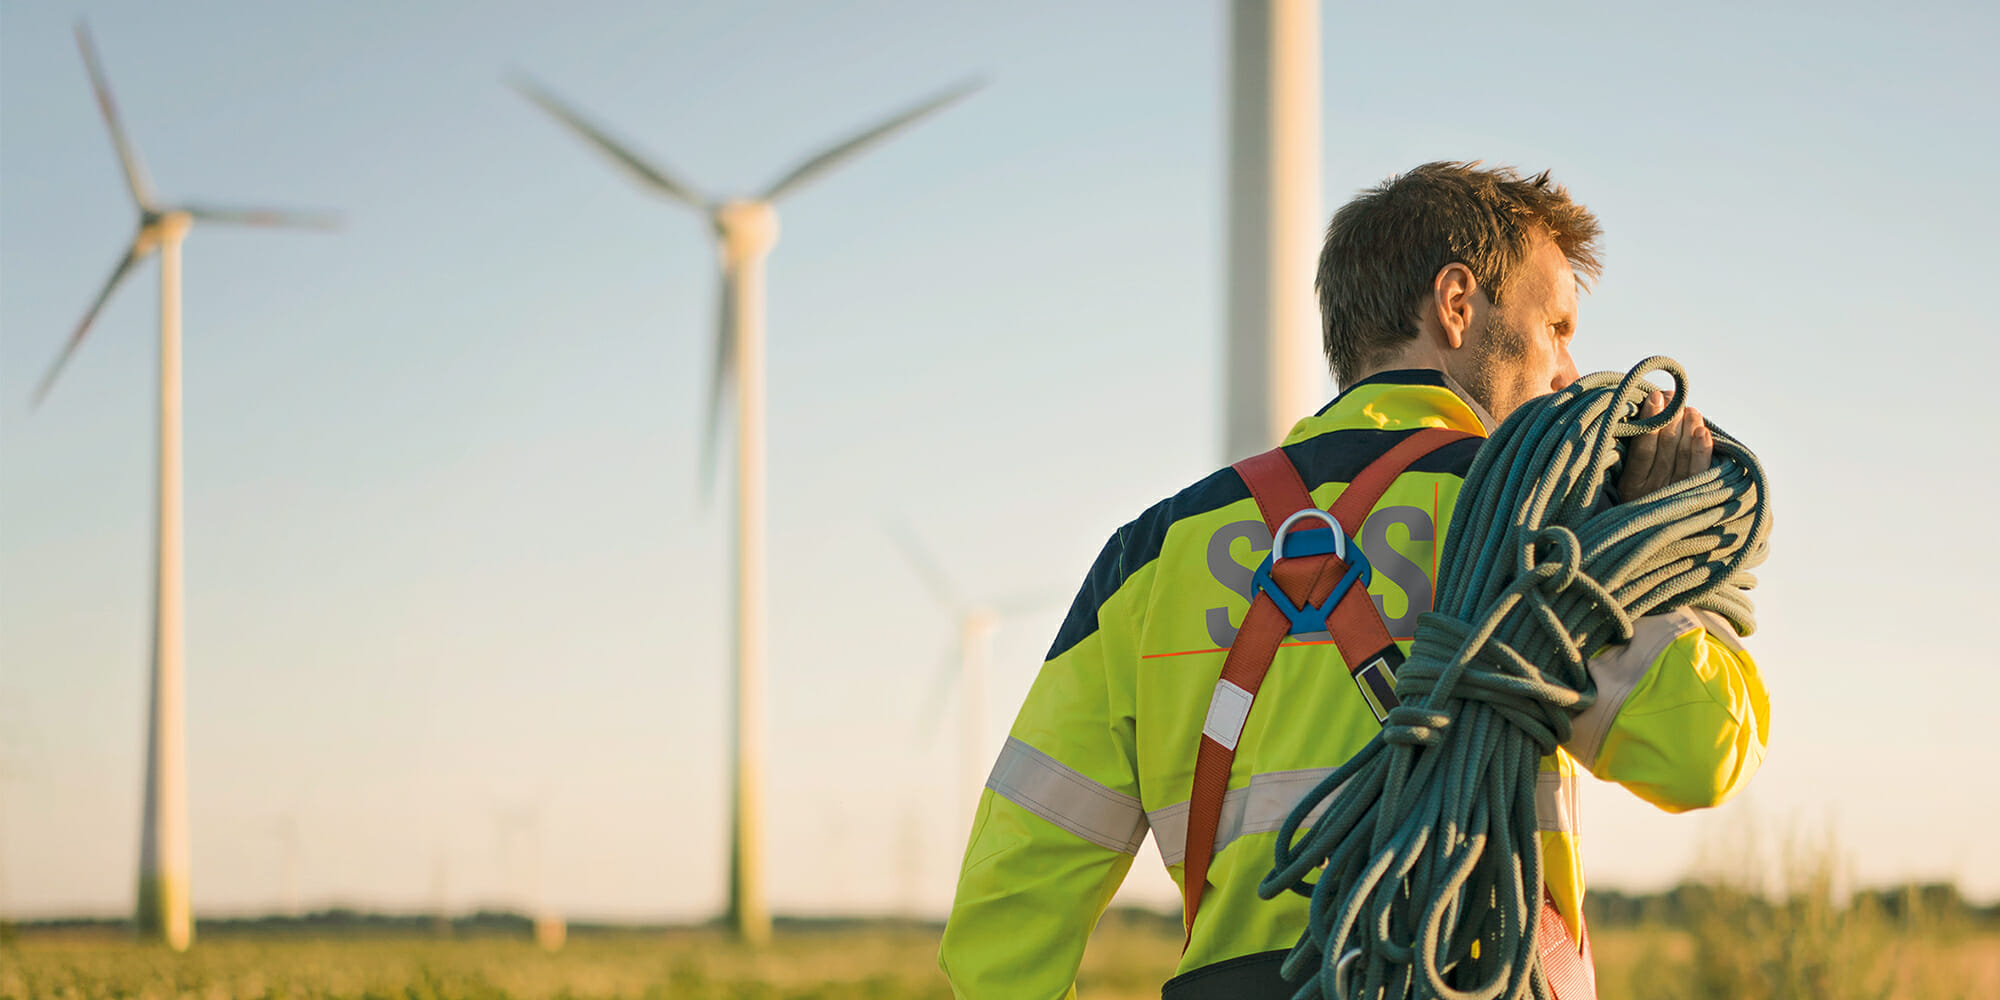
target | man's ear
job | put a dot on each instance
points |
(1452, 292)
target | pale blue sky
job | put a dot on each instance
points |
(446, 555)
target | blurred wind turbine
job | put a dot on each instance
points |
(1271, 358)
(977, 626)
(163, 909)
(910, 863)
(286, 832)
(520, 891)
(526, 895)
(440, 892)
(745, 231)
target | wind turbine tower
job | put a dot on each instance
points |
(1272, 357)
(286, 831)
(163, 907)
(976, 628)
(745, 231)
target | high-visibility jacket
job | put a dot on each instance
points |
(1103, 749)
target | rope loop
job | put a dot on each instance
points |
(1410, 725)
(1557, 571)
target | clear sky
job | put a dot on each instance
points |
(447, 558)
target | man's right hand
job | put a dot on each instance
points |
(1666, 456)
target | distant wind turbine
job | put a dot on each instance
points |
(440, 892)
(745, 231)
(977, 624)
(520, 892)
(163, 908)
(286, 832)
(526, 896)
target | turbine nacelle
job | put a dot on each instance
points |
(158, 228)
(745, 229)
(979, 623)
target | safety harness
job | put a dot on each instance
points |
(1315, 581)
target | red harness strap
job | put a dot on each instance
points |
(1356, 626)
(1570, 968)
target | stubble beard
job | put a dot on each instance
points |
(1496, 364)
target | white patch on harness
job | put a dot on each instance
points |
(1227, 709)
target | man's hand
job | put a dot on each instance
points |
(1666, 456)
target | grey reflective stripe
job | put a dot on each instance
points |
(1046, 787)
(1719, 628)
(1259, 807)
(1262, 805)
(1555, 803)
(1617, 671)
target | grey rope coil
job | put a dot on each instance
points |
(1429, 838)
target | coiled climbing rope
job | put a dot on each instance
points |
(1428, 839)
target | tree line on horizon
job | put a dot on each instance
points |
(1681, 907)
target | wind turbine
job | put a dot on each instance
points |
(286, 831)
(977, 624)
(1271, 357)
(745, 231)
(163, 907)
(519, 892)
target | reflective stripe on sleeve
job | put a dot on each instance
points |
(1262, 805)
(1555, 802)
(1259, 807)
(1617, 671)
(1046, 787)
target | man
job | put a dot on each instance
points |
(1447, 298)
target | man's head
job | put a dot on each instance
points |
(1453, 267)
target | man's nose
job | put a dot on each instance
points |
(1565, 372)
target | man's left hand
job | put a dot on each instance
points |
(1666, 456)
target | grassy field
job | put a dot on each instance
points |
(1127, 959)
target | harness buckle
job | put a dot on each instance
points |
(1377, 680)
(1330, 540)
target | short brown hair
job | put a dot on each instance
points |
(1385, 248)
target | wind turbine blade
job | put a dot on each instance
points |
(128, 158)
(649, 174)
(833, 155)
(117, 275)
(718, 380)
(927, 568)
(1026, 604)
(264, 217)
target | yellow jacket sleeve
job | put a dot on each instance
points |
(1681, 717)
(1060, 818)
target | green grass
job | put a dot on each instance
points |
(1779, 925)
(1753, 928)
(886, 963)
(1127, 960)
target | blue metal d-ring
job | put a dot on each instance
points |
(1329, 540)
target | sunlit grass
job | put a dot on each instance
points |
(1755, 927)
(1126, 960)
(1784, 924)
